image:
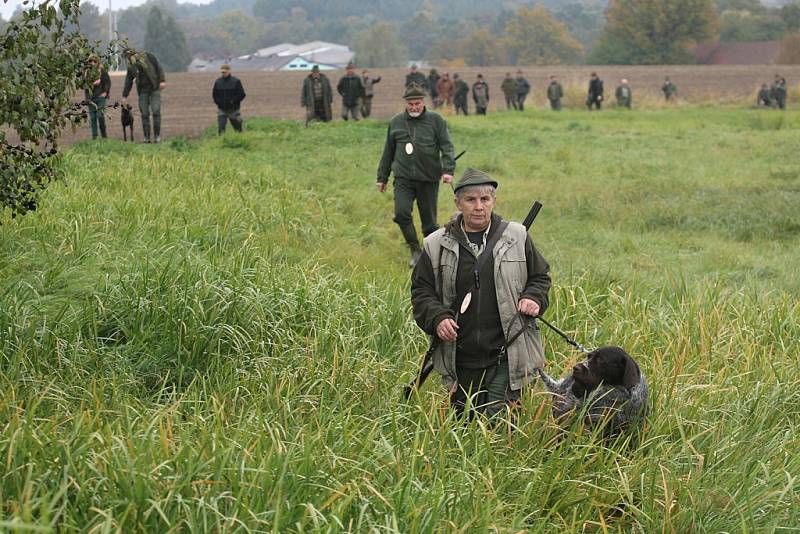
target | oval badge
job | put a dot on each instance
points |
(409, 148)
(465, 303)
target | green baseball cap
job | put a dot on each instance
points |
(474, 177)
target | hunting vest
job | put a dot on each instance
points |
(525, 354)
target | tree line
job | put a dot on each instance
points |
(384, 33)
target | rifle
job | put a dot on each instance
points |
(427, 362)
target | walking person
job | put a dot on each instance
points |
(594, 97)
(419, 152)
(366, 102)
(523, 88)
(150, 81)
(445, 89)
(433, 83)
(624, 94)
(228, 94)
(317, 96)
(480, 94)
(414, 77)
(490, 346)
(554, 94)
(460, 95)
(669, 89)
(96, 100)
(509, 88)
(352, 90)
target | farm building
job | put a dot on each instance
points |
(286, 56)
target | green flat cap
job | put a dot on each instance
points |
(474, 177)
(414, 91)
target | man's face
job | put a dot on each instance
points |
(477, 209)
(225, 73)
(350, 72)
(415, 106)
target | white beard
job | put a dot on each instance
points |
(415, 114)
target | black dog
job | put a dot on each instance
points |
(127, 120)
(607, 385)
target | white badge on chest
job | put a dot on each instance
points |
(409, 148)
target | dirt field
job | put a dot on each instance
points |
(187, 108)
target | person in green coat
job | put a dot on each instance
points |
(150, 81)
(554, 94)
(419, 152)
(624, 94)
(461, 95)
(317, 96)
(509, 88)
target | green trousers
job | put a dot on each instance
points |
(425, 193)
(483, 391)
(150, 103)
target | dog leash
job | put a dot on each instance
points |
(566, 338)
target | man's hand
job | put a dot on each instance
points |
(103, 95)
(162, 85)
(381, 186)
(447, 178)
(528, 307)
(447, 330)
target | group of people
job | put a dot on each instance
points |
(356, 93)
(623, 93)
(773, 96)
(145, 69)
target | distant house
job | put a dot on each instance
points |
(285, 56)
(756, 53)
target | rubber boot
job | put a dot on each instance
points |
(410, 235)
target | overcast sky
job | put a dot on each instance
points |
(7, 7)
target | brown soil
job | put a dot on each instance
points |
(187, 108)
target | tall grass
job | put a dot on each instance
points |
(211, 336)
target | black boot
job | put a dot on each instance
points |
(410, 235)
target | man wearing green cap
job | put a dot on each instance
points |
(490, 346)
(317, 96)
(419, 152)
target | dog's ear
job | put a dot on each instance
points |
(632, 373)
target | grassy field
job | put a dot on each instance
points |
(212, 335)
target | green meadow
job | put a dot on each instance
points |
(212, 335)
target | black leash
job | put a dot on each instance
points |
(566, 338)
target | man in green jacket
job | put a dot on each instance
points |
(554, 94)
(460, 95)
(489, 346)
(624, 94)
(317, 96)
(419, 152)
(509, 88)
(150, 81)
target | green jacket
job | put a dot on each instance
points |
(147, 72)
(554, 91)
(509, 86)
(519, 271)
(433, 152)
